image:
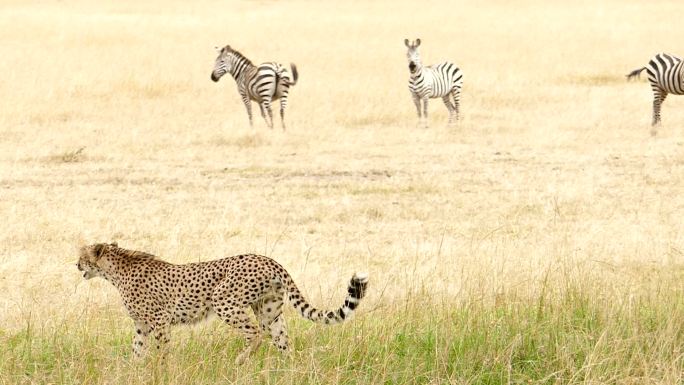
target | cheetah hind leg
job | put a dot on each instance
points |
(269, 311)
(238, 318)
(244, 324)
(230, 307)
(278, 331)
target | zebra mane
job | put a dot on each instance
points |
(228, 50)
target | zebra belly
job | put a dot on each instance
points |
(432, 90)
(440, 94)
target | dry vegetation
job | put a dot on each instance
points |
(539, 241)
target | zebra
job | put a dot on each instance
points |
(666, 75)
(263, 83)
(440, 80)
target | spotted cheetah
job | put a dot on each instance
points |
(158, 294)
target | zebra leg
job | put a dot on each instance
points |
(263, 113)
(457, 101)
(283, 104)
(659, 96)
(248, 106)
(425, 111)
(449, 107)
(416, 101)
(266, 106)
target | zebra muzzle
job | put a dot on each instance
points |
(412, 66)
(214, 77)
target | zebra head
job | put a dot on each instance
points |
(413, 55)
(223, 63)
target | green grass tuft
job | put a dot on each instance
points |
(577, 339)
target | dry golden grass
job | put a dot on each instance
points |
(550, 183)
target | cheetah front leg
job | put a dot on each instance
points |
(161, 339)
(142, 330)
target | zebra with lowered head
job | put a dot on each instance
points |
(666, 75)
(263, 84)
(440, 80)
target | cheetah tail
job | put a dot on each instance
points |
(635, 73)
(355, 292)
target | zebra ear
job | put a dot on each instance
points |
(406, 43)
(417, 42)
(217, 49)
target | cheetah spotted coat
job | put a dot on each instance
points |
(158, 294)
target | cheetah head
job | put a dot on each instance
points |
(89, 257)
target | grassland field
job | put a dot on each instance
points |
(539, 241)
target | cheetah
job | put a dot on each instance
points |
(158, 294)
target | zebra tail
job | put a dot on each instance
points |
(355, 292)
(635, 73)
(295, 74)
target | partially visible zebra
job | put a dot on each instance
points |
(263, 84)
(666, 74)
(440, 80)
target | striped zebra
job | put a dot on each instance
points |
(440, 80)
(666, 75)
(263, 83)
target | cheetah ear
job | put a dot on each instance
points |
(417, 43)
(406, 43)
(115, 244)
(93, 253)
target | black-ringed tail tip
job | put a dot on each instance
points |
(356, 291)
(360, 280)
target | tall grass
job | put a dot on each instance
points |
(571, 337)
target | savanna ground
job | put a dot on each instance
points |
(538, 241)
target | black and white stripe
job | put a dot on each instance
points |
(666, 75)
(358, 285)
(263, 84)
(440, 80)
